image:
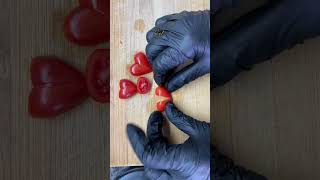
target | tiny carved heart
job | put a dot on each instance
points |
(141, 65)
(161, 91)
(127, 89)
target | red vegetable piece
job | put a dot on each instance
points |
(161, 106)
(99, 5)
(161, 91)
(141, 65)
(98, 75)
(84, 26)
(127, 89)
(143, 85)
(57, 87)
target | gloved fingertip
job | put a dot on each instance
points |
(169, 108)
(149, 35)
(187, 75)
(132, 129)
(160, 21)
(155, 118)
(158, 79)
(137, 139)
(156, 114)
(171, 87)
(152, 51)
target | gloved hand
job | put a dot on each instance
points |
(173, 41)
(187, 161)
(262, 34)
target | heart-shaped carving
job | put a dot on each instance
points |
(161, 91)
(86, 26)
(141, 65)
(161, 106)
(57, 87)
(127, 89)
(99, 5)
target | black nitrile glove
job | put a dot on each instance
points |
(190, 160)
(223, 168)
(217, 5)
(173, 41)
(163, 161)
(261, 35)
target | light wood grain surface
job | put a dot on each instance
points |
(72, 146)
(130, 21)
(268, 119)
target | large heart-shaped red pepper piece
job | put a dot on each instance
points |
(98, 75)
(86, 26)
(57, 87)
(127, 89)
(161, 91)
(141, 65)
(99, 5)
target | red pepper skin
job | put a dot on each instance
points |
(57, 87)
(143, 85)
(98, 75)
(141, 65)
(127, 89)
(99, 5)
(161, 91)
(86, 27)
(161, 106)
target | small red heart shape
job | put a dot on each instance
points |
(85, 26)
(161, 91)
(127, 89)
(57, 87)
(141, 65)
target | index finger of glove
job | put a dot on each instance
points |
(137, 140)
(154, 129)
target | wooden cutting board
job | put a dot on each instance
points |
(130, 21)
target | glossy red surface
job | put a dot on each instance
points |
(98, 75)
(85, 26)
(143, 85)
(127, 89)
(161, 91)
(141, 65)
(57, 87)
(161, 106)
